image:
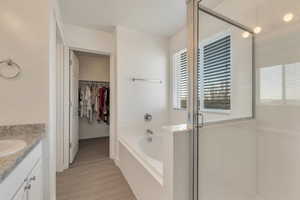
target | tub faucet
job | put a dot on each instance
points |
(149, 132)
(147, 117)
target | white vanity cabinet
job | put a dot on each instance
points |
(21, 194)
(32, 186)
(35, 184)
(25, 182)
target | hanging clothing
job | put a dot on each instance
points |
(104, 104)
(94, 103)
(96, 107)
(106, 108)
(88, 99)
(101, 102)
(81, 102)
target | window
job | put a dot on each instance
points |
(280, 84)
(214, 74)
(271, 84)
(180, 91)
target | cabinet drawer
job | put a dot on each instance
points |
(35, 182)
(21, 194)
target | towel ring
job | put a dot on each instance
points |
(10, 63)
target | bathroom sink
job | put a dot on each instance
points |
(8, 147)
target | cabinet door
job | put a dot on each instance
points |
(35, 182)
(21, 194)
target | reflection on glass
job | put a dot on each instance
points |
(280, 84)
(271, 84)
(292, 82)
(224, 70)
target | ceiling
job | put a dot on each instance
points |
(159, 17)
(267, 14)
(167, 17)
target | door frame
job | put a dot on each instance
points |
(50, 142)
(66, 137)
(193, 117)
(59, 99)
(62, 132)
(112, 124)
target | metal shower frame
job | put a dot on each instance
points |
(195, 118)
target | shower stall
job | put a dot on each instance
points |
(244, 86)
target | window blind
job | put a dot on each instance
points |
(180, 80)
(215, 74)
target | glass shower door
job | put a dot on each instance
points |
(245, 89)
(225, 150)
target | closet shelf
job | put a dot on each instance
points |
(93, 82)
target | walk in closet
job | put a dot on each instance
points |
(90, 107)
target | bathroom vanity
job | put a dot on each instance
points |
(21, 172)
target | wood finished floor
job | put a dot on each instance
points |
(93, 176)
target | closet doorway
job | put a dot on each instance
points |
(89, 107)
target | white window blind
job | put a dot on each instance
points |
(214, 74)
(180, 90)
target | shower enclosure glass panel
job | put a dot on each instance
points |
(227, 140)
(248, 89)
(225, 65)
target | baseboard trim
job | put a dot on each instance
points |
(117, 162)
(93, 138)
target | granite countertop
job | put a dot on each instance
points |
(31, 134)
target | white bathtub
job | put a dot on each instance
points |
(149, 154)
(141, 160)
(153, 151)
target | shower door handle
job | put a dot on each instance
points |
(199, 120)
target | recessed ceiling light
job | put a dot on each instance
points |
(257, 30)
(288, 17)
(246, 34)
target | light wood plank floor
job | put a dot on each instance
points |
(93, 176)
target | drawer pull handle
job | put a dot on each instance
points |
(28, 187)
(33, 178)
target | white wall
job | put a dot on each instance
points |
(28, 32)
(28, 35)
(82, 38)
(24, 28)
(95, 68)
(141, 55)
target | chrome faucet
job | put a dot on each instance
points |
(147, 117)
(149, 132)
